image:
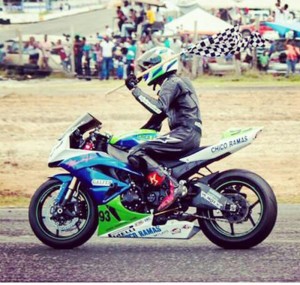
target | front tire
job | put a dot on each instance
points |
(256, 217)
(62, 229)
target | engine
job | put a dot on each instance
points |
(142, 199)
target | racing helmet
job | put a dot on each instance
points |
(154, 56)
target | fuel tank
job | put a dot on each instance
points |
(129, 140)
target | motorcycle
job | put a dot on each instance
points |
(235, 209)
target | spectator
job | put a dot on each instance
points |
(2, 54)
(130, 25)
(98, 58)
(126, 9)
(176, 45)
(130, 52)
(98, 36)
(278, 16)
(146, 43)
(121, 17)
(86, 57)
(264, 61)
(64, 55)
(224, 15)
(32, 48)
(150, 19)
(167, 42)
(118, 65)
(159, 16)
(108, 31)
(78, 53)
(120, 69)
(45, 47)
(140, 14)
(286, 13)
(235, 16)
(292, 53)
(107, 52)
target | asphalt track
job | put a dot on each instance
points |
(23, 258)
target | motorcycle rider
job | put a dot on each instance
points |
(177, 101)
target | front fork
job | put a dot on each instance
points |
(66, 191)
(65, 194)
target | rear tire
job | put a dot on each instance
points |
(66, 230)
(257, 216)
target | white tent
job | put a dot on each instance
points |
(207, 24)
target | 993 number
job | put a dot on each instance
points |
(104, 216)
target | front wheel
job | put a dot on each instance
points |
(62, 227)
(256, 215)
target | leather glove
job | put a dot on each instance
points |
(131, 81)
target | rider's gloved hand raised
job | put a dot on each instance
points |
(131, 81)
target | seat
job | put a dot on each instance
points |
(172, 160)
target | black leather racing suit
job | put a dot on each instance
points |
(179, 103)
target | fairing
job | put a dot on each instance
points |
(117, 221)
(93, 170)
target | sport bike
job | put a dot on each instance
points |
(235, 209)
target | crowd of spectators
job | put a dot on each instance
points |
(112, 53)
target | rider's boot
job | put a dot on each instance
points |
(175, 190)
(157, 176)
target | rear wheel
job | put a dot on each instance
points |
(256, 215)
(62, 227)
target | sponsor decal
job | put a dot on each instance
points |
(155, 179)
(132, 235)
(144, 137)
(176, 231)
(104, 216)
(186, 227)
(131, 232)
(238, 141)
(219, 147)
(231, 143)
(211, 199)
(73, 162)
(124, 233)
(101, 182)
(149, 231)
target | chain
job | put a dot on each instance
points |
(210, 219)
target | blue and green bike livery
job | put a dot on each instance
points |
(234, 208)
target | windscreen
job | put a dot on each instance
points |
(83, 123)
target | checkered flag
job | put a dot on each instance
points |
(226, 43)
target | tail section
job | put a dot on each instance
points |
(232, 140)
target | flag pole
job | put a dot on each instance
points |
(140, 75)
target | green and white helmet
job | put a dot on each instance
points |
(153, 57)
